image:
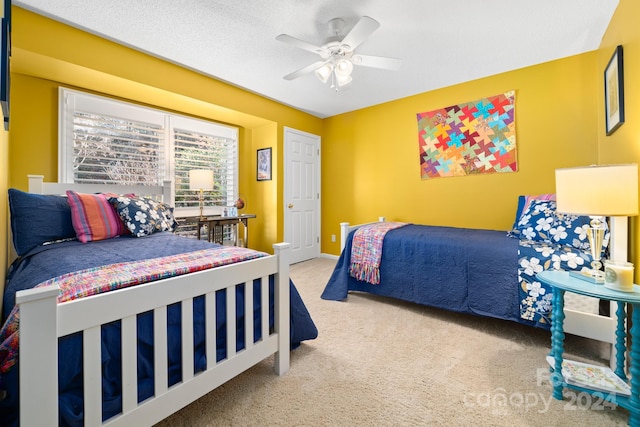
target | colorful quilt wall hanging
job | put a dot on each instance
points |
(477, 137)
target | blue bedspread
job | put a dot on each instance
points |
(481, 272)
(443, 267)
(50, 261)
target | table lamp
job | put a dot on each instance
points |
(599, 192)
(201, 180)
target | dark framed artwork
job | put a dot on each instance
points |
(5, 58)
(614, 92)
(264, 164)
(4, 64)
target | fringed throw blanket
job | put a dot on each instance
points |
(366, 250)
(107, 278)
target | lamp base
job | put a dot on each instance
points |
(588, 276)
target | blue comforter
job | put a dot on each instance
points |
(46, 262)
(459, 269)
(481, 272)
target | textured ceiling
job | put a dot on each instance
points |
(441, 43)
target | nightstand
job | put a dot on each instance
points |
(562, 282)
(215, 227)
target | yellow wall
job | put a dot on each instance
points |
(623, 146)
(47, 54)
(370, 160)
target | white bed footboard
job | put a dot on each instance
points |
(42, 321)
(588, 325)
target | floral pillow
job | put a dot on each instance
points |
(523, 204)
(572, 230)
(536, 221)
(142, 216)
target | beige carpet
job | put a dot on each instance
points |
(379, 362)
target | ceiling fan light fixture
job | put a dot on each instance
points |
(343, 80)
(338, 55)
(324, 72)
(344, 68)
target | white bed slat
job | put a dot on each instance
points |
(151, 411)
(92, 361)
(160, 349)
(187, 339)
(282, 310)
(593, 326)
(248, 315)
(231, 322)
(38, 356)
(264, 302)
(129, 364)
(210, 328)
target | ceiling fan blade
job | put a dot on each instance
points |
(305, 70)
(377, 62)
(300, 43)
(363, 29)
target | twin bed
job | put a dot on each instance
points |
(483, 272)
(126, 329)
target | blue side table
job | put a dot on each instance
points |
(561, 281)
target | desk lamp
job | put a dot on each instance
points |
(599, 192)
(201, 180)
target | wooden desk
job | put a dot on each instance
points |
(216, 231)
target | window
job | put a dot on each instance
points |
(108, 141)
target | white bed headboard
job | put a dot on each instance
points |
(38, 186)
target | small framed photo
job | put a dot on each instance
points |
(614, 92)
(264, 164)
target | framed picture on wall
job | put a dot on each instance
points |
(264, 164)
(5, 53)
(614, 92)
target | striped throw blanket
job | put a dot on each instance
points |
(107, 278)
(366, 250)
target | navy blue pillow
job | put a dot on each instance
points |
(37, 219)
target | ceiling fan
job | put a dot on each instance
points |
(338, 54)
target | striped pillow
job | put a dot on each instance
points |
(93, 217)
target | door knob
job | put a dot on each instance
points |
(290, 205)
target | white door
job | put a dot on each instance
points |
(302, 194)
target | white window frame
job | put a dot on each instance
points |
(73, 100)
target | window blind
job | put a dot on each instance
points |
(103, 140)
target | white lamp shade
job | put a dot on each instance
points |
(201, 179)
(344, 67)
(609, 190)
(343, 80)
(324, 72)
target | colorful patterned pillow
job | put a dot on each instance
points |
(142, 216)
(38, 219)
(523, 204)
(536, 221)
(570, 230)
(93, 217)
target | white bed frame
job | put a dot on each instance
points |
(42, 321)
(588, 325)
